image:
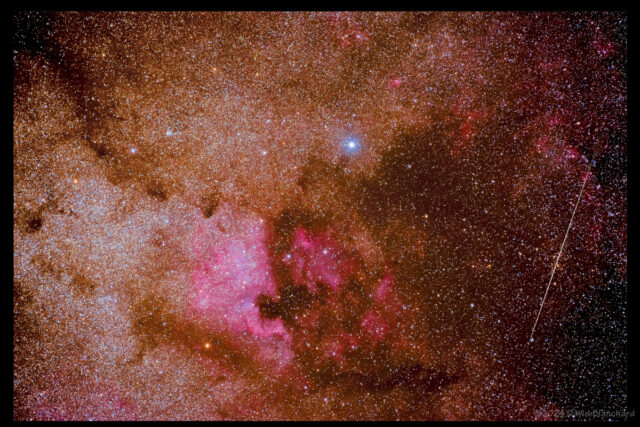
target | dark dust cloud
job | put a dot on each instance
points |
(341, 216)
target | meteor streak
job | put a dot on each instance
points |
(553, 270)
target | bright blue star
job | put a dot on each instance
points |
(352, 145)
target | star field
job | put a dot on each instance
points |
(319, 216)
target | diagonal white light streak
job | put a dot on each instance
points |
(555, 266)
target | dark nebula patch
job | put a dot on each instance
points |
(101, 149)
(157, 191)
(209, 204)
(153, 321)
(82, 284)
(416, 378)
(34, 224)
(415, 178)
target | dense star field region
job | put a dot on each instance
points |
(319, 216)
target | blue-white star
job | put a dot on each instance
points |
(352, 145)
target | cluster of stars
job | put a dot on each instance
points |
(319, 216)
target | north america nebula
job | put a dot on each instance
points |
(319, 215)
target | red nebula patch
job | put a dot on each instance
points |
(322, 312)
(318, 258)
(374, 325)
(542, 145)
(395, 83)
(339, 314)
(232, 269)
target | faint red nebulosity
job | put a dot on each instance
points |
(471, 120)
(353, 37)
(347, 30)
(317, 257)
(384, 289)
(551, 65)
(570, 152)
(555, 120)
(374, 325)
(542, 145)
(395, 83)
(466, 131)
(604, 48)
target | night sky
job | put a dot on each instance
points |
(337, 215)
